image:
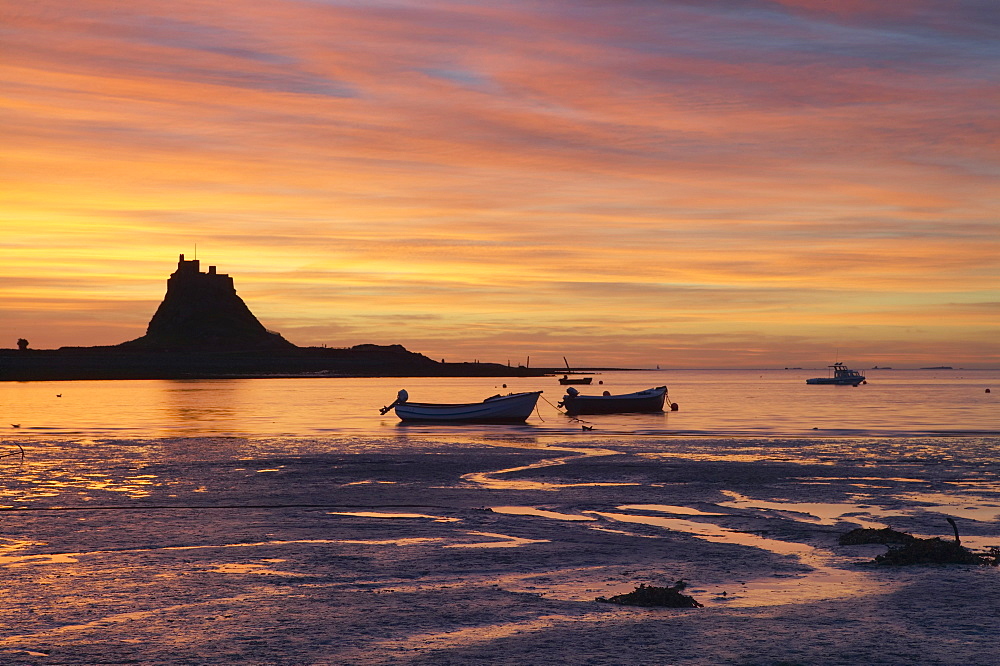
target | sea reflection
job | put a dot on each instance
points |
(395, 516)
(713, 403)
(824, 576)
(822, 513)
(667, 508)
(193, 402)
(38, 482)
(488, 480)
(961, 505)
(496, 541)
(541, 513)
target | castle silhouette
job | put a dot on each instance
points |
(202, 312)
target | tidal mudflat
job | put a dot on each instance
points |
(414, 550)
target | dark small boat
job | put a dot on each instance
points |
(513, 408)
(650, 400)
(566, 379)
(840, 375)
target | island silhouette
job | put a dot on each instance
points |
(203, 330)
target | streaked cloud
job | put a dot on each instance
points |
(624, 179)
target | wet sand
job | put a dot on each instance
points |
(414, 551)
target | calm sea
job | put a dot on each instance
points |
(716, 403)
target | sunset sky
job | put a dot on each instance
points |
(689, 183)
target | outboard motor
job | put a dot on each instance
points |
(571, 392)
(401, 397)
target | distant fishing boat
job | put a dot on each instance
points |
(650, 400)
(840, 375)
(513, 408)
(566, 379)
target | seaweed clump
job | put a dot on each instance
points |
(866, 535)
(651, 595)
(905, 549)
(930, 551)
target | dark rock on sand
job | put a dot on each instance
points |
(649, 596)
(929, 551)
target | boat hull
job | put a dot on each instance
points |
(650, 400)
(835, 381)
(514, 408)
(576, 380)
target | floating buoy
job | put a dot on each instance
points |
(674, 407)
(987, 390)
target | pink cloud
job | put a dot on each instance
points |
(594, 166)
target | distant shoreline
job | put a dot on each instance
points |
(115, 363)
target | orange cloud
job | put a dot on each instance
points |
(622, 181)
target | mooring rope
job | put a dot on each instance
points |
(561, 411)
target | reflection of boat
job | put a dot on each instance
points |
(841, 375)
(513, 408)
(650, 400)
